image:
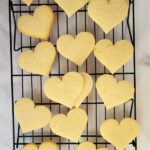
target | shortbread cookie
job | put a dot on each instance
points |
(30, 147)
(76, 49)
(70, 126)
(89, 146)
(66, 90)
(71, 6)
(38, 61)
(39, 25)
(108, 13)
(29, 116)
(120, 135)
(113, 56)
(46, 145)
(49, 145)
(87, 87)
(114, 92)
(28, 2)
(102, 149)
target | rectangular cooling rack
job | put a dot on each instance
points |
(31, 85)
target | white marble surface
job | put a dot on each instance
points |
(143, 75)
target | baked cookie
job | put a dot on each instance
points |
(108, 13)
(30, 147)
(29, 116)
(64, 90)
(27, 2)
(71, 6)
(70, 90)
(119, 134)
(46, 145)
(38, 61)
(39, 25)
(70, 126)
(113, 92)
(113, 56)
(77, 48)
(89, 146)
(87, 87)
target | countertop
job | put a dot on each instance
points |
(142, 72)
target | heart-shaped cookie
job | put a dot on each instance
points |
(39, 25)
(71, 6)
(76, 49)
(87, 87)
(89, 146)
(114, 92)
(113, 56)
(38, 61)
(70, 126)
(108, 13)
(46, 145)
(29, 116)
(120, 135)
(28, 2)
(66, 90)
(30, 147)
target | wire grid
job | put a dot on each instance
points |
(24, 84)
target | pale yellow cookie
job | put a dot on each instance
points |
(89, 146)
(39, 25)
(30, 147)
(46, 145)
(29, 116)
(87, 87)
(113, 56)
(66, 90)
(28, 2)
(71, 6)
(86, 146)
(120, 135)
(108, 13)
(102, 149)
(76, 49)
(70, 126)
(38, 61)
(114, 92)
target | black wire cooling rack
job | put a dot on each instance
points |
(30, 85)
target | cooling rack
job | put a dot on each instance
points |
(31, 85)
